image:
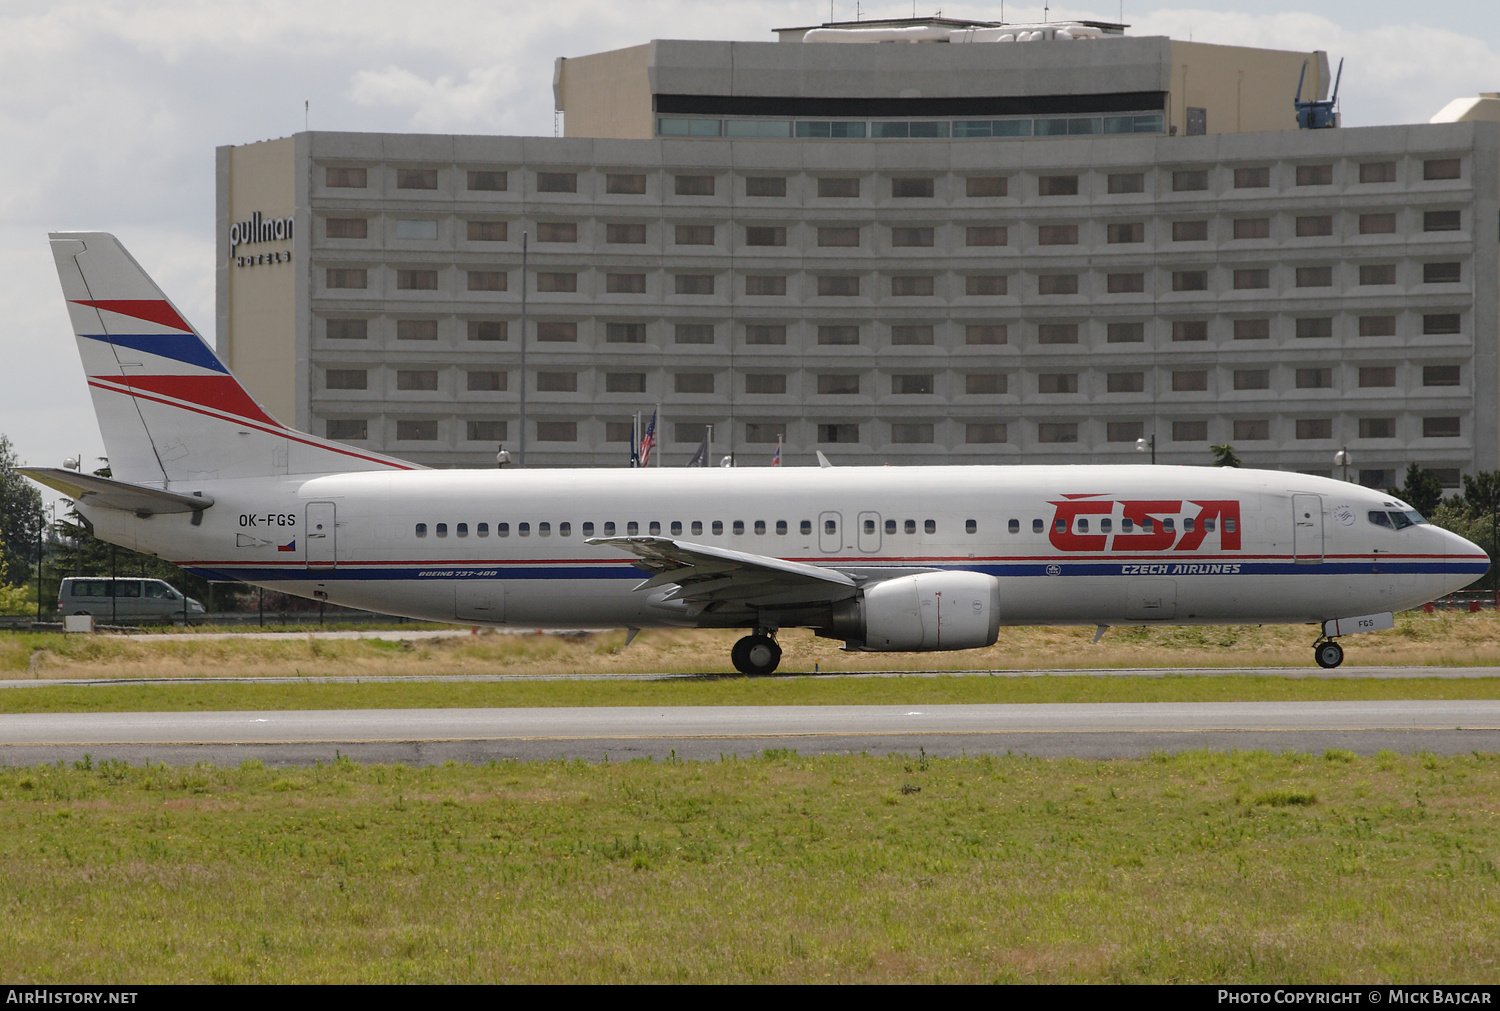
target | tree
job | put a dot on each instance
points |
(1224, 455)
(20, 518)
(1422, 490)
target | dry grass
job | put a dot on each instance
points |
(1442, 639)
(1238, 868)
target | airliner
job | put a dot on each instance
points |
(907, 559)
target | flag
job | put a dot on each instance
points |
(776, 460)
(648, 442)
(700, 456)
(290, 546)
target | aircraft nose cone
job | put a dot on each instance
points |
(1466, 560)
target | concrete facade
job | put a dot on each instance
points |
(902, 301)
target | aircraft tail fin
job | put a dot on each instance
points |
(168, 409)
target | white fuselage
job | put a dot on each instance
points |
(1069, 545)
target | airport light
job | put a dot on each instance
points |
(1343, 459)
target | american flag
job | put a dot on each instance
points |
(776, 460)
(648, 441)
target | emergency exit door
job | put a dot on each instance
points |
(1307, 529)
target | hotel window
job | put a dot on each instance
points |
(1124, 284)
(765, 186)
(416, 280)
(985, 384)
(1441, 273)
(912, 334)
(1126, 231)
(911, 432)
(1377, 273)
(487, 231)
(1252, 379)
(765, 284)
(1057, 284)
(625, 382)
(417, 431)
(345, 379)
(625, 284)
(1189, 431)
(839, 433)
(1256, 277)
(347, 277)
(986, 284)
(1441, 375)
(557, 382)
(488, 330)
(911, 187)
(625, 235)
(346, 228)
(416, 179)
(834, 236)
(986, 333)
(984, 432)
(1440, 428)
(628, 183)
(416, 329)
(985, 186)
(693, 186)
(1256, 178)
(1252, 228)
(556, 331)
(765, 235)
(1057, 235)
(1314, 326)
(1442, 221)
(1127, 182)
(488, 180)
(1314, 379)
(557, 182)
(1057, 186)
(912, 236)
(486, 431)
(1314, 175)
(1190, 280)
(693, 333)
(487, 382)
(556, 281)
(836, 186)
(1314, 277)
(1377, 428)
(1125, 382)
(764, 432)
(557, 431)
(916, 384)
(1442, 322)
(694, 382)
(1057, 382)
(694, 235)
(1258, 430)
(348, 329)
(624, 333)
(1123, 431)
(487, 280)
(1191, 381)
(1377, 224)
(839, 286)
(765, 333)
(773, 383)
(694, 284)
(346, 179)
(421, 380)
(1057, 431)
(1252, 329)
(1314, 428)
(1190, 330)
(348, 429)
(985, 235)
(838, 384)
(1377, 376)
(1057, 333)
(557, 231)
(1377, 172)
(1190, 231)
(1442, 168)
(1377, 326)
(1125, 333)
(1309, 226)
(1189, 179)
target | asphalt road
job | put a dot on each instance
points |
(708, 732)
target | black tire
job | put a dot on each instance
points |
(1328, 655)
(755, 655)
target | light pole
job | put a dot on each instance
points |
(1144, 445)
(1343, 459)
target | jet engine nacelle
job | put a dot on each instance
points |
(926, 612)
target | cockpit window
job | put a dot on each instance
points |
(1380, 519)
(1396, 519)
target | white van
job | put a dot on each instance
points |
(123, 598)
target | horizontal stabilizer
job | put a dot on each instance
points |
(111, 494)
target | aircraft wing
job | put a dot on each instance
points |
(142, 500)
(708, 578)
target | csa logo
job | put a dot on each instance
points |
(1054, 570)
(1143, 524)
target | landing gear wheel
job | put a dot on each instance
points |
(755, 655)
(1328, 654)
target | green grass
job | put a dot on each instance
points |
(711, 691)
(1239, 868)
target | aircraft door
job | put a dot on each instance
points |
(320, 537)
(1307, 529)
(869, 532)
(830, 532)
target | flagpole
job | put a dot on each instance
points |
(660, 434)
(521, 454)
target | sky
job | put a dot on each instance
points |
(110, 112)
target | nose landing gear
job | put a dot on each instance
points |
(1328, 653)
(755, 655)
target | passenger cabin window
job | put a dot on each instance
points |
(1037, 526)
(482, 529)
(523, 529)
(929, 526)
(970, 526)
(676, 528)
(421, 529)
(805, 527)
(718, 528)
(632, 528)
(461, 529)
(697, 528)
(502, 529)
(739, 526)
(609, 529)
(654, 529)
(911, 526)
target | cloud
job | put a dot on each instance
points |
(444, 105)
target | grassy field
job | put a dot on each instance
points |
(1194, 868)
(1445, 638)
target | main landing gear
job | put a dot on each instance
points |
(756, 654)
(1328, 653)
